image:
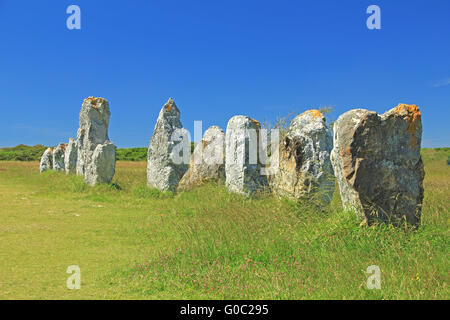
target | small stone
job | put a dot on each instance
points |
(208, 160)
(46, 161)
(169, 150)
(243, 170)
(305, 170)
(378, 165)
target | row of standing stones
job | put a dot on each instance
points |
(375, 159)
(92, 155)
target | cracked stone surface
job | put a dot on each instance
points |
(243, 169)
(305, 170)
(92, 140)
(168, 151)
(378, 166)
(46, 161)
(58, 157)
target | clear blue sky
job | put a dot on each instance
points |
(217, 59)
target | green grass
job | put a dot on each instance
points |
(139, 243)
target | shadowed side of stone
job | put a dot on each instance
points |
(163, 172)
(242, 166)
(378, 165)
(305, 170)
(208, 160)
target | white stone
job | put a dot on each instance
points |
(168, 158)
(243, 169)
(70, 157)
(92, 138)
(46, 161)
(58, 157)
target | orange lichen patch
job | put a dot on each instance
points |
(204, 144)
(50, 150)
(255, 121)
(71, 139)
(169, 107)
(315, 113)
(412, 114)
(94, 101)
(63, 147)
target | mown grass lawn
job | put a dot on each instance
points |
(135, 243)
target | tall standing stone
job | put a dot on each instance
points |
(305, 170)
(80, 149)
(243, 170)
(93, 146)
(70, 157)
(46, 161)
(168, 158)
(58, 157)
(378, 165)
(208, 160)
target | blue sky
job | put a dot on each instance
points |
(217, 59)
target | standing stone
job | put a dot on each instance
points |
(305, 170)
(208, 161)
(168, 157)
(93, 141)
(46, 161)
(102, 166)
(378, 165)
(70, 157)
(80, 150)
(243, 170)
(58, 157)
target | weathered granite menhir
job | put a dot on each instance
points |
(58, 157)
(46, 161)
(70, 157)
(305, 171)
(207, 163)
(168, 151)
(243, 167)
(378, 166)
(96, 154)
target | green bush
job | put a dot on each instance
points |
(22, 153)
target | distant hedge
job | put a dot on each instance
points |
(132, 154)
(34, 153)
(22, 153)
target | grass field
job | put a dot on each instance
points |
(131, 242)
